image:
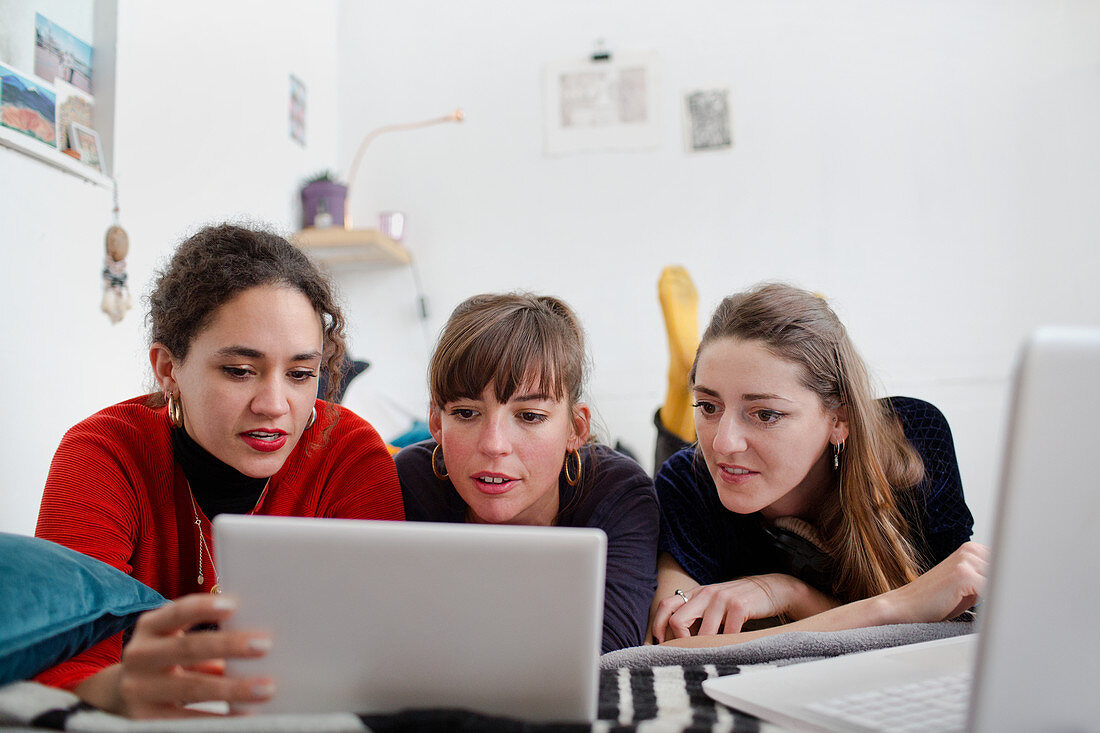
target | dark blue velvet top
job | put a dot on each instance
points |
(614, 494)
(713, 544)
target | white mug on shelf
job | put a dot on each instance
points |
(392, 224)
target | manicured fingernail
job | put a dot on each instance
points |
(221, 603)
(260, 644)
(264, 689)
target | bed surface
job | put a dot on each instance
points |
(642, 688)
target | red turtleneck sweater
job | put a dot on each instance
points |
(116, 493)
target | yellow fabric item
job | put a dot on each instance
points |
(680, 305)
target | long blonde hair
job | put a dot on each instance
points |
(862, 524)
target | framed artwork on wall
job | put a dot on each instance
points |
(601, 103)
(85, 141)
(707, 124)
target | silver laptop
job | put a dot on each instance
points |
(1035, 664)
(373, 616)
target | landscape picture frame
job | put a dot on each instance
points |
(27, 106)
(85, 141)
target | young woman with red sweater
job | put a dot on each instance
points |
(242, 323)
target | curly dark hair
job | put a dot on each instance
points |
(214, 265)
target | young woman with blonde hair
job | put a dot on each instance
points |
(806, 500)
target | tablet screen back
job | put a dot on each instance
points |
(373, 616)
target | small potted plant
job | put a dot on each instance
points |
(323, 200)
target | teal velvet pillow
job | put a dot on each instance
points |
(55, 603)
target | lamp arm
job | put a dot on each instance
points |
(455, 116)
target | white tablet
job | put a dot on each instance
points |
(372, 616)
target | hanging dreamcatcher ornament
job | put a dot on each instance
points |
(116, 296)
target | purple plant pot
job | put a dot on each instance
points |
(322, 198)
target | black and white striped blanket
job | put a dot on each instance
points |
(642, 689)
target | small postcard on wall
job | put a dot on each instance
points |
(59, 54)
(297, 110)
(606, 104)
(707, 123)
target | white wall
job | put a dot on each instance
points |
(64, 359)
(201, 135)
(931, 166)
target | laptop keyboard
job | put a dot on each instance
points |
(935, 704)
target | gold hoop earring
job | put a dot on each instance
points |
(175, 409)
(441, 476)
(312, 418)
(576, 477)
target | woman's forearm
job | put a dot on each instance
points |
(803, 600)
(876, 611)
(944, 591)
(102, 690)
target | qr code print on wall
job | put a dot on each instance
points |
(708, 119)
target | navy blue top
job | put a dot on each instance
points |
(713, 544)
(614, 495)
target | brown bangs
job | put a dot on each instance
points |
(509, 342)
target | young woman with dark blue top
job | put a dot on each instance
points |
(805, 500)
(511, 446)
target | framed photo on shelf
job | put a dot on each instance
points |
(26, 106)
(85, 141)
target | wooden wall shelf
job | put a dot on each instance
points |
(336, 245)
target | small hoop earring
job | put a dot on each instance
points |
(435, 469)
(576, 477)
(175, 409)
(837, 448)
(312, 418)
